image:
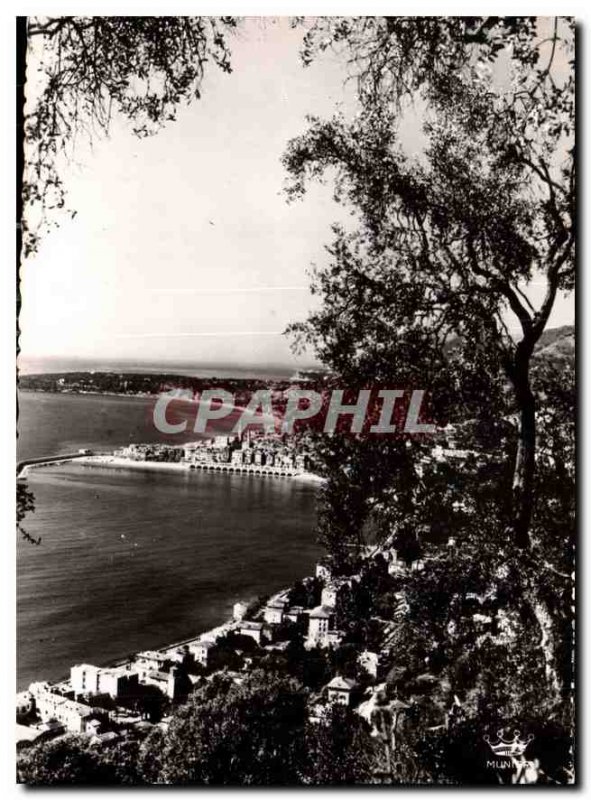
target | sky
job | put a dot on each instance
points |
(184, 247)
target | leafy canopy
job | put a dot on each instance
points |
(92, 68)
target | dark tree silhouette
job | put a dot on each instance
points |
(447, 241)
(251, 734)
(25, 504)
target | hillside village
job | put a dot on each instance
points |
(248, 451)
(313, 629)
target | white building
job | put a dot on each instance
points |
(396, 565)
(93, 727)
(323, 572)
(273, 613)
(239, 611)
(52, 706)
(319, 623)
(332, 638)
(301, 461)
(253, 629)
(149, 660)
(330, 594)
(369, 661)
(340, 690)
(202, 651)
(26, 736)
(115, 681)
(237, 458)
(167, 682)
(177, 656)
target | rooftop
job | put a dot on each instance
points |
(250, 625)
(158, 676)
(342, 684)
(321, 611)
(26, 734)
(152, 654)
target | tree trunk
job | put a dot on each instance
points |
(523, 502)
(525, 460)
(525, 464)
(543, 617)
(547, 644)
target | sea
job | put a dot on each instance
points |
(131, 560)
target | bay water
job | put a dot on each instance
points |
(130, 560)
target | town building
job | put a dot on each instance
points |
(340, 690)
(118, 682)
(150, 660)
(178, 655)
(202, 651)
(301, 462)
(319, 623)
(370, 662)
(396, 565)
(253, 629)
(323, 572)
(51, 728)
(273, 613)
(317, 713)
(106, 738)
(332, 638)
(294, 614)
(239, 611)
(169, 683)
(26, 736)
(330, 594)
(51, 706)
(93, 727)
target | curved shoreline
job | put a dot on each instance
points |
(117, 462)
(209, 635)
(226, 621)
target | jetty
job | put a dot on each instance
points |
(23, 467)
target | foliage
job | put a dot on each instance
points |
(141, 68)
(25, 504)
(359, 471)
(247, 734)
(74, 760)
(305, 593)
(445, 239)
(494, 628)
(340, 749)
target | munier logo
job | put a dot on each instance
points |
(507, 749)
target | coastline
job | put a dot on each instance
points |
(84, 393)
(208, 635)
(110, 461)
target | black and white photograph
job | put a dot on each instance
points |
(296, 401)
